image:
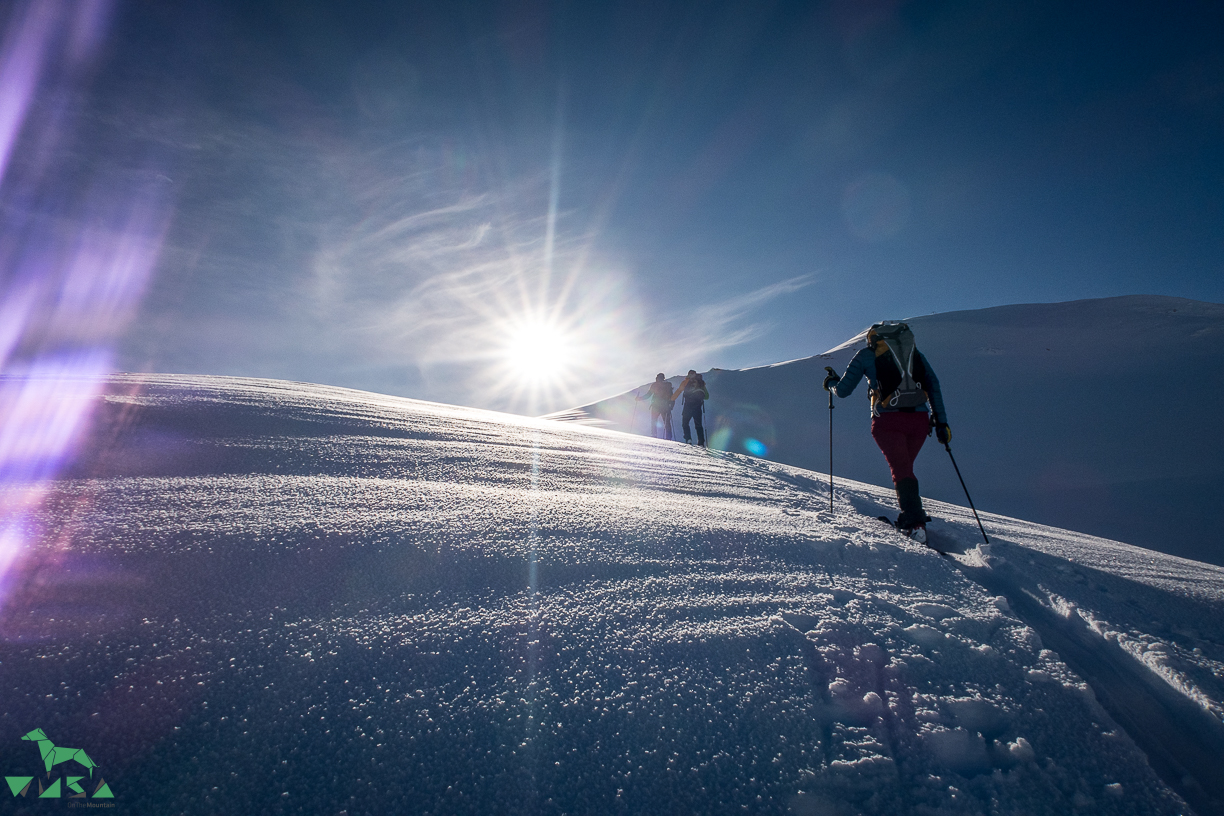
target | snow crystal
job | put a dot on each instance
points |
(1020, 750)
(925, 635)
(247, 589)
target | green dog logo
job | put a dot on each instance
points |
(53, 755)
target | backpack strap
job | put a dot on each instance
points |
(906, 368)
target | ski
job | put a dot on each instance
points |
(929, 543)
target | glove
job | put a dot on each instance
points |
(831, 381)
(943, 433)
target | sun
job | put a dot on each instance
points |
(538, 353)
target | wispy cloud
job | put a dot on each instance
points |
(724, 324)
(402, 261)
(442, 286)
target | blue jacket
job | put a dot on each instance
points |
(864, 365)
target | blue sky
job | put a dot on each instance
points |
(386, 195)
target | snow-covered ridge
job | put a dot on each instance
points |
(272, 597)
(1093, 415)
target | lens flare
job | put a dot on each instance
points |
(755, 446)
(73, 275)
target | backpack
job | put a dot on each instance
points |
(695, 391)
(900, 341)
(661, 396)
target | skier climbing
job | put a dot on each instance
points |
(695, 394)
(903, 384)
(661, 405)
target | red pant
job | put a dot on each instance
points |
(900, 435)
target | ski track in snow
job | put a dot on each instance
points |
(1085, 469)
(256, 596)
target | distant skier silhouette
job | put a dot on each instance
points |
(661, 404)
(695, 394)
(903, 384)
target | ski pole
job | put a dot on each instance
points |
(830, 370)
(948, 448)
(636, 400)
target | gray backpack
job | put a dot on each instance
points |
(900, 340)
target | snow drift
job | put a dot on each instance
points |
(265, 597)
(1095, 415)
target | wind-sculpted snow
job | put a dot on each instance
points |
(257, 597)
(1050, 419)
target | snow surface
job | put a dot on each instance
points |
(266, 597)
(1095, 415)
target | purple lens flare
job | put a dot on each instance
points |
(76, 256)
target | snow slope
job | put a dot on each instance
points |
(267, 597)
(1095, 415)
